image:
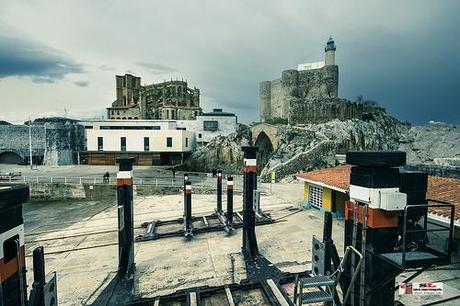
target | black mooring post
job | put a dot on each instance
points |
(219, 192)
(230, 202)
(327, 240)
(125, 217)
(37, 295)
(185, 180)
(250, 248)
(188, 209)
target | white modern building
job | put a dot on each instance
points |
(152, 142)
(210, 125)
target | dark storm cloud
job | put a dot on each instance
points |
(24, 58)
(82, 83)
(415, 77)
(157, 68)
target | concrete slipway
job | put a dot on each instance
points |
(80, 240)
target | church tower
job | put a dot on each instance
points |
(330, 52)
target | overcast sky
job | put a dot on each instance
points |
(57, 55)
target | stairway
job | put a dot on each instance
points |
(317, 296)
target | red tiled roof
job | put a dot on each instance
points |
(439, 188)
(444, 189)
(338, 177)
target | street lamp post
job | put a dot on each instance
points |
(30, 144)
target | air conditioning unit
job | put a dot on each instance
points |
(393, 200)
(379, 198)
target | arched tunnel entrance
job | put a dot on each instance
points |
(10, 158)
(265, 146)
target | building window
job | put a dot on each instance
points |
(100, 143)
(146, 144)
(210, 125)
(186, 142)
(199, 135)
(123, 143)
(169, 142)
(315, 196)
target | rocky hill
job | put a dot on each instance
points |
(436, 140)
(223, 152)
(314, 146)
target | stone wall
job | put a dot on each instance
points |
(436, 170)
(303, 111)
(15, 139)
(52, 143)
(274, 96)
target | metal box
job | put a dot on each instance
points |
(379, 198)
(393, 200)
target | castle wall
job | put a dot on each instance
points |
(319, 83)
(303, 111)
(264, 100)
(274, 96)
(276, 99)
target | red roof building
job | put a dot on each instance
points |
(337, 179)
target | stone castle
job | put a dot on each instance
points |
(166, 100)
(309, 94)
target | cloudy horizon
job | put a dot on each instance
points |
(61, 57)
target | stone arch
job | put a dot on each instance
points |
(271, 131)
(265, 146)
(10, 158)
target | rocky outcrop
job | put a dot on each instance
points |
(314, 146)
(430, 143)
(222, 152)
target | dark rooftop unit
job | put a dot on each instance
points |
(218, 112)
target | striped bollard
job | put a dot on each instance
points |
(219, 192)
(250, 248)
(125, 217)
(230, 203)
(188, 210)
(185, 182)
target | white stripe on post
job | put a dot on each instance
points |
(250, 162)
(124, 174)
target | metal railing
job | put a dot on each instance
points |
(441, 228)
(198, 183)
(340, 270)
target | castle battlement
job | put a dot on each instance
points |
(310, 94)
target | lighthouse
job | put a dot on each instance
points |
(330, 52)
